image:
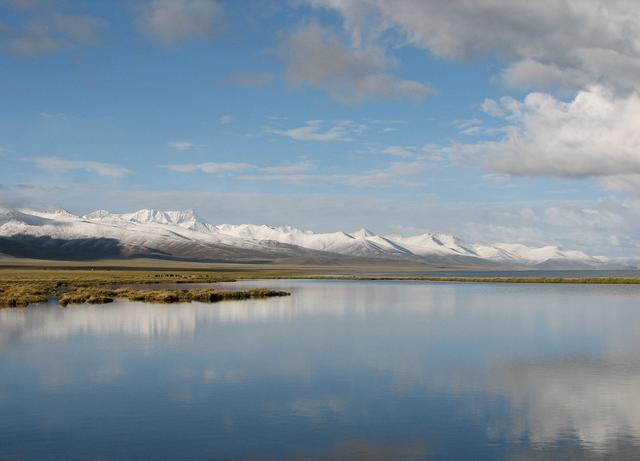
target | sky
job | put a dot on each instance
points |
(496, 121)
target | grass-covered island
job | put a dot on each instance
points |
(23, 295)
(23, 287)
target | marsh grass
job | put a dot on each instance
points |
(103, 295)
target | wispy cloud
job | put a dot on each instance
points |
(59, 32)
(209, 167)
(315, 130)
(52, 115)
(226, 119)
(292, 168)
(172, 21)
(233, 167)
(400, 151)
(100, 168)
(398, 174)
(181, 145)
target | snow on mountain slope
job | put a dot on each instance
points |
(546, 253)
(359, 243)
(435, 243)
(182, 234)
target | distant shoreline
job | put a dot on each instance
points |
(25, 285)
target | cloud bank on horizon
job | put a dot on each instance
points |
(493, 120)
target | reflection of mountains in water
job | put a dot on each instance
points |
(131, 319)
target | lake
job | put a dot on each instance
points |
(341, 370)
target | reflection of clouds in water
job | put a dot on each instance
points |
(595, 401)
(149, 321)
(212, 374)
(527, 307)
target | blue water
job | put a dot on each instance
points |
(340, 370)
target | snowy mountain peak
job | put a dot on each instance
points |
(180, 233)
(362, 233)
(149, 215)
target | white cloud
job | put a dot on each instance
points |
(226, 119)
(316, 56)
(171, 21)
(181, 145)
(595, 134)
(52, 115)
(103, 169)
(232, 167)
(469, 127)
(314, 130)
(552, 41)
(210, 167)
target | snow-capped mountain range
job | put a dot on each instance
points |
(183, 235)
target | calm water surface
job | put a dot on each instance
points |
(338, 371)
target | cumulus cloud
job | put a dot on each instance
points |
(102, 169)
(317, 56)
(549, 41)
(594, 134)
(172, 21)
(314, 130)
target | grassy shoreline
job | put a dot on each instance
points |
(27, 285)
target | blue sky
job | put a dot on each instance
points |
(494, 122)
